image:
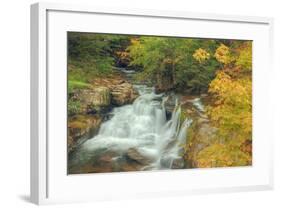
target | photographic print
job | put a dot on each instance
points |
(141, 103)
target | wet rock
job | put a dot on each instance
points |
(106, 158)
(123, 93)
(131, 167)
(80, 128)
(96, 100)
(134, 155)
(178, 163)
(166, 162)
(202, 120)
(170, 104)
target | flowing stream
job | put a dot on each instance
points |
(142, 128)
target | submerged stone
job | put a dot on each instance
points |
(134, 154)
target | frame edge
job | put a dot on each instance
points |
(34, 55)
(38, 38)
(38, 104)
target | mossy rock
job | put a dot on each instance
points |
(80, 128)
(94, 101)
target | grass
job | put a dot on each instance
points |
(74, 84)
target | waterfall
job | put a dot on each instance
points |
(143, 126)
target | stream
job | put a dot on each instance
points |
(138, 136)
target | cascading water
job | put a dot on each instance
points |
(144, 127)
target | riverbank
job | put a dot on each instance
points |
(138, 136)
(94, 106)
(149, 133)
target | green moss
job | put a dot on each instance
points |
(73, 107)
(73, 84)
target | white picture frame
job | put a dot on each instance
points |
(49, 180)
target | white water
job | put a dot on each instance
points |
(143, 126)
(198, 104)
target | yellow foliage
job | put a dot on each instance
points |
(201, 55)
(135, 41)
(223, 55)
(244, 59)
(232, 109)
(220, 155)
(235, 92)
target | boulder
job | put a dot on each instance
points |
(135, 155)
(107, 157)
(123, 93)
(94, 100)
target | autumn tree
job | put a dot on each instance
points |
(231, 111)
(180, 63)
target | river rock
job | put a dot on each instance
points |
(136, 156)
(178, 163)
(107, 157)
(166, 162)
(94, 100)
(202, 120)
(80, 128)
(170, 104)
(123, 93)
